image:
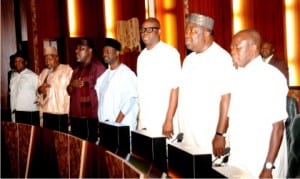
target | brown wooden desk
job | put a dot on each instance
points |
(31, 151)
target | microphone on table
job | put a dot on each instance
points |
(224, 158)
(179, 138)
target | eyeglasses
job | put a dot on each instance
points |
(148, 29)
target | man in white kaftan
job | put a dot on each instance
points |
(205, 81)
(54, 100)
(158, 70)
(205, 78)
(158, 73)
(257, 108)
(117, 89)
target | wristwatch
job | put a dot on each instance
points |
(221, 134)
(269, 166)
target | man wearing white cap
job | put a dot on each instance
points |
(204, 92)
(54, 100)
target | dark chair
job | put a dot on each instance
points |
(292, 136)
(292, 109)
(294, 149)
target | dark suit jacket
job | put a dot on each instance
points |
(281, 65)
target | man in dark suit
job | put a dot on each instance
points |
(267, 53)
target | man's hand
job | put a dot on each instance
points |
(43, 88)
(218, 145)
(77, 83)
(168, 129)
(265, 173)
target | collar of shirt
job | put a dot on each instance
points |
(267, 60)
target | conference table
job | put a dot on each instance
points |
(32, 151)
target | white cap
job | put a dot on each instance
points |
(50, 50)
(201, 20)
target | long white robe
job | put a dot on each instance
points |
(117, 91)
(258, 100)
(57, 100)
(158, 73)
(206, 77)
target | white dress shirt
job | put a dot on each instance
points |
(205, 77)
(117, 91)
(258, 100)
(158, 71)
(23, 88)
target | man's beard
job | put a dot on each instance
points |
(79, 60)
(50, 69)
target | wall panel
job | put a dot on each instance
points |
(8, 47)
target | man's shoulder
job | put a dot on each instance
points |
(96, 62)
(65, 66)
(45, 71)
(219, 54)
(97, 67)
(64, 69)
(29, 72)
(276, 60)
(167, 46)
(272, 71)
(274, 57)
(219, 48)
(126, 69)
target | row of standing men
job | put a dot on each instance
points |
(210, 95)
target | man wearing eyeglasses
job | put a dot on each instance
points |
(54, 100)
(158, 68)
